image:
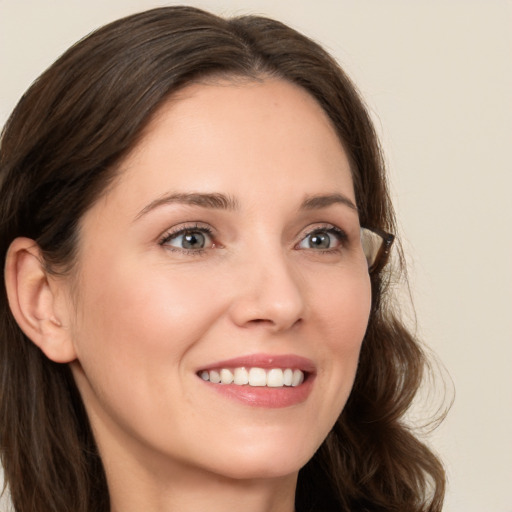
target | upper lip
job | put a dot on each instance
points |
(265, 361)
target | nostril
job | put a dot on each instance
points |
(270, 322)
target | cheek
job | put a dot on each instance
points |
(345, 311)
(343, 319)
(134, 333)
(134, 326)
(146, 310)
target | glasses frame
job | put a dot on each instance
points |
(382, 256)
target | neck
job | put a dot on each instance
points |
(189, 490)
(138, 481)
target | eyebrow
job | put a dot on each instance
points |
(220, 201)
(323, 201)
(216, 201)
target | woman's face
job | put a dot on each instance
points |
(228, 248)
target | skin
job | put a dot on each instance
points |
(141, 317)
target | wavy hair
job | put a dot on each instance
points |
(59, 151)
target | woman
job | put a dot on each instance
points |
(194, 223)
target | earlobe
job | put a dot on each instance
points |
(35, 298)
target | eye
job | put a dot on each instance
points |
(189, 239)
(323, 239)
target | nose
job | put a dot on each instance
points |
(269, 292)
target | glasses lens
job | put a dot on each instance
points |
(376, 246)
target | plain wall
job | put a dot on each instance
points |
(437, 76)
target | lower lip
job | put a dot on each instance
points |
(264, 396)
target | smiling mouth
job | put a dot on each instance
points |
(261, 380)
(255, 377)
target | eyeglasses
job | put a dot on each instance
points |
(376, 246)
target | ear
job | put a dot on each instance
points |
(37, 301)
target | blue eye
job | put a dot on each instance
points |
(189, 239)
(323, 239)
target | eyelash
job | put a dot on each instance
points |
(328, 228)
(341, 236)
(168, 236)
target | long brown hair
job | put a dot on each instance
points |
(59, 151)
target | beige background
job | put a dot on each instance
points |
(438, 77)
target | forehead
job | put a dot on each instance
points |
(243, 138)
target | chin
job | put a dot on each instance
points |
(262, 470)
(253, 463)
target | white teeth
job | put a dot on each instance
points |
(298, 378)
(257, 377)
(275, 378)
(241, 376)
(226, 377)
(214, 377)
